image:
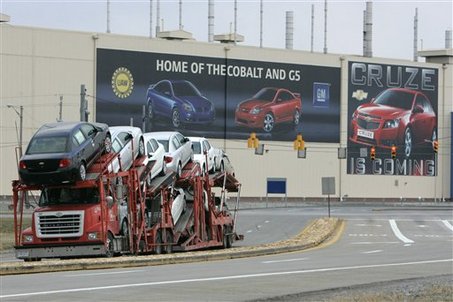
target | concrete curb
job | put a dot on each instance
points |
(328, 226)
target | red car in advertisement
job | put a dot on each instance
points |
(270, 106)
(397, 116)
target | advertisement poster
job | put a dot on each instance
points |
(218, 97)
(392, 119)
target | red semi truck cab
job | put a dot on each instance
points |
(69, 222)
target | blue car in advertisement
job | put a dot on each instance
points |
(178, 102)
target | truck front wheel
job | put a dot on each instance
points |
(110, 247)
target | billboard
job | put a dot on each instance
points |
(218, 97)
(392, 119)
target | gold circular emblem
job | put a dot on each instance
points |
(122, 82)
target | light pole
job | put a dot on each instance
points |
(20, 113)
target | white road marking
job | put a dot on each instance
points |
(286, 260)
(447, 224)
(109, 273)
(398, 233)
(267, 221)
(367, 235)
(232, 277)
(372, 252)
(11, 260)
(368, 242)
(249, 231)
(422, 226)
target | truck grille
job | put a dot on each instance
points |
(59, 224)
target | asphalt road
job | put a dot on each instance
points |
(376, 245)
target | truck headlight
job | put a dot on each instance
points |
(27, 238)
(93, 236)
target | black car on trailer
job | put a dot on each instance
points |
(61, 152)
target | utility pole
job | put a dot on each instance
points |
(21, 127)
(20, 113)
(83, 104)
(60, 115)
(108, 16)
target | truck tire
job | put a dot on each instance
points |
(110, 247)
(227, 237)
(168, 248)
(158, 242)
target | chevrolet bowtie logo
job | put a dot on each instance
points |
(359, 95)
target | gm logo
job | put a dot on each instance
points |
(321, 95)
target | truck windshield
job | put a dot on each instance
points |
(53, 196)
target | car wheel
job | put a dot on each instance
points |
(213, 169)
(408, 142)
(179, 171)
(82, 172)
(268, 123)
(176, 118)
(203, 170)
(141, 148)
(108, 143)
(296, 119)
(164, 170)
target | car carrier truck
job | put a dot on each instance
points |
(122, 213)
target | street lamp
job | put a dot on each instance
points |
(20, 113)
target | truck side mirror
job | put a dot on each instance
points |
(110, 201)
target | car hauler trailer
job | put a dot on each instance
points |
(123, 213)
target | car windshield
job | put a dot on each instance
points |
(51, 196)
(395, 98)
(47, 145)
(196, 147)
(265, 94)
(165, 143)
(185, 89)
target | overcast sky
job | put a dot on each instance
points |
(393, 21)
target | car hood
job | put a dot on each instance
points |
(196, 101)
(381, 111)
(252, 103)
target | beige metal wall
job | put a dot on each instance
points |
(39, 65)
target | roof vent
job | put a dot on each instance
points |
(4, 18)
(229, 38)
(175, 35)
